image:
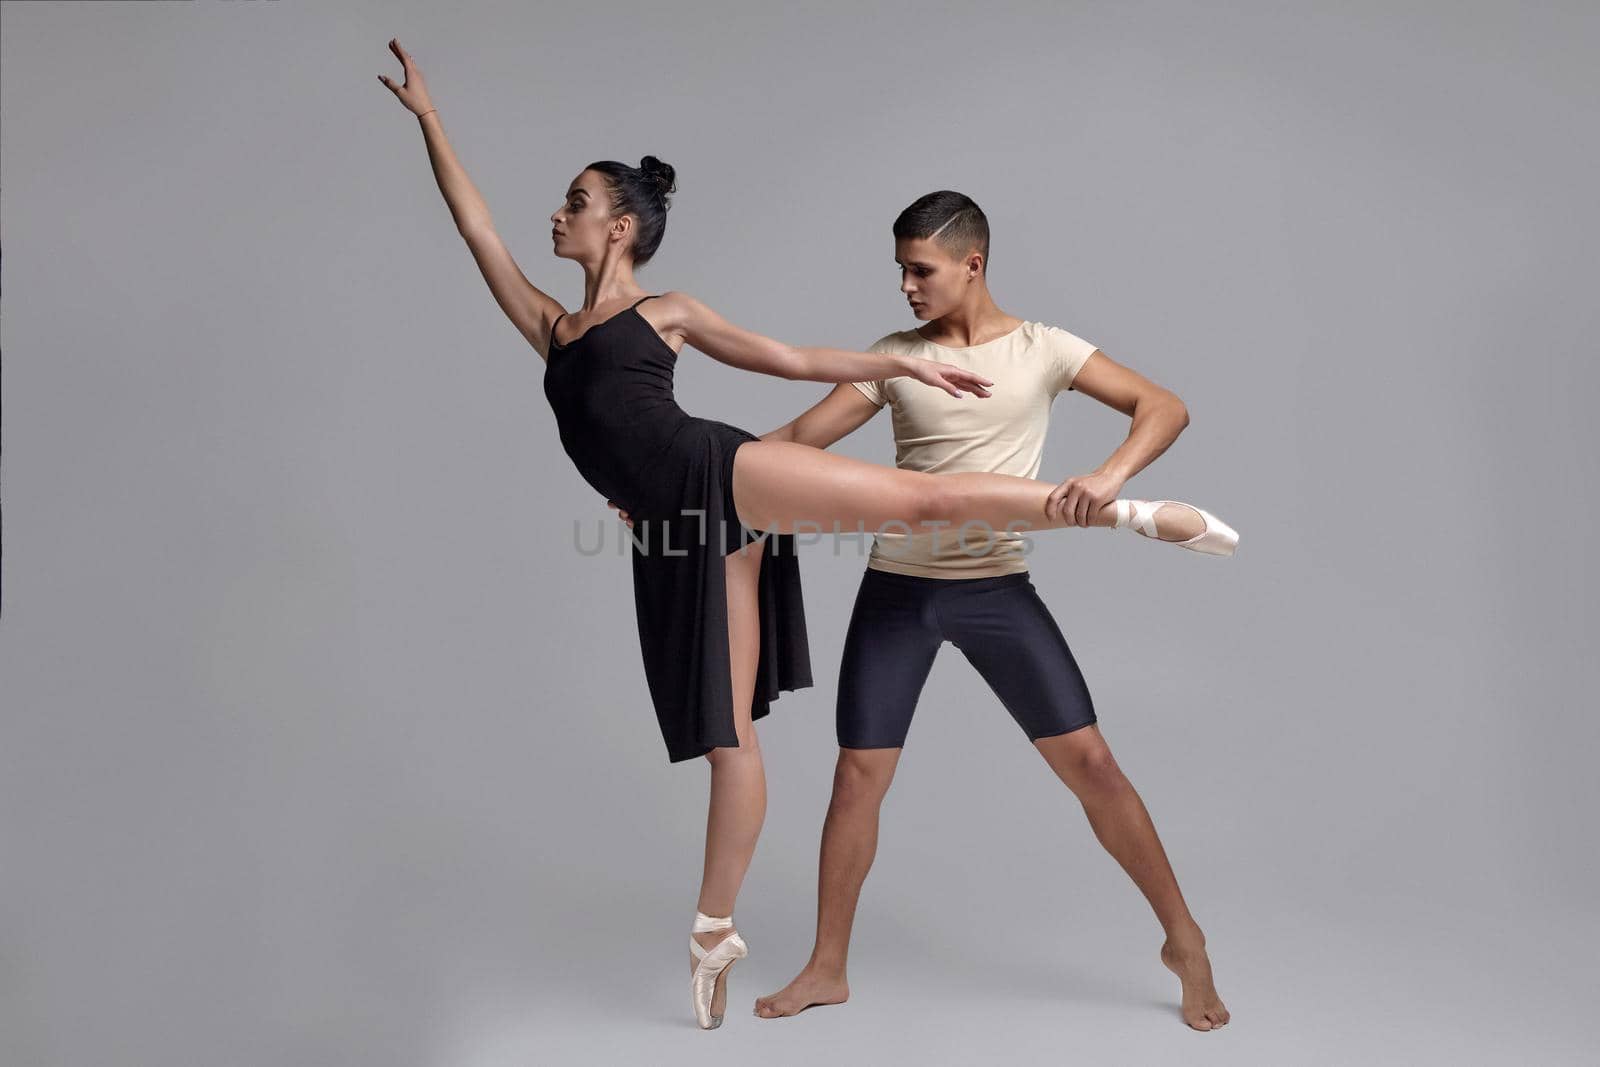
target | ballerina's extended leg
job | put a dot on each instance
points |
(785, 487)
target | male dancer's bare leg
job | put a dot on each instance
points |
(738, 803)
(849, 842)
(1083, 760)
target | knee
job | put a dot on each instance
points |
(748, 749)
(934, 499)
(862, 776)
(1092, 768)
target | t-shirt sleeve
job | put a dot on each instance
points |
(1070, 352)
(875, 391)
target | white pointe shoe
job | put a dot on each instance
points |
(713, 962)
(1217, 539)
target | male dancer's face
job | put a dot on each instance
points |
(935, 281)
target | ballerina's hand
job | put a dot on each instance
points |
(949, 377)
(623, 515)
(414, 92)
(1076, 499)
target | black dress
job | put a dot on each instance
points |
(611, 391)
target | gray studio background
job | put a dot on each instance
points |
(321, 744)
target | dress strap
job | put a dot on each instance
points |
(642, 299)
(553, 329)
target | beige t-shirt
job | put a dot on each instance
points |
(1002, 434)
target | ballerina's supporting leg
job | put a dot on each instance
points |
(785, 487)
(738, 801)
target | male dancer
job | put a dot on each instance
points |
(973, 589)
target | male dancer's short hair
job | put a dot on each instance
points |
(953, 219)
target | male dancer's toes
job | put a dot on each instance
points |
(1186, 957)
(810, 988)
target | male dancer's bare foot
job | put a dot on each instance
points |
(1185, 956)
(809, 989)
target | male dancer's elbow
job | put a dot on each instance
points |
(1178, 411)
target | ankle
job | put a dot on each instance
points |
(1186, 939)
(1163, 520)
(831, 967)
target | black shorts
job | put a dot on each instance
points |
(998, 623)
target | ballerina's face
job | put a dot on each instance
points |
(583, 225)
(934, 281)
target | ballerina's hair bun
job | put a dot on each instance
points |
(660, 173)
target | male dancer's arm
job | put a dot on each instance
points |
(1157, 417)
(837, 415)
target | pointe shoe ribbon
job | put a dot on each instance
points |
(712, 962)
(1216, 539)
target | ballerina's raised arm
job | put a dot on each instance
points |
(530, 309)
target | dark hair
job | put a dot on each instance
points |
(642, 192)
(954, 219)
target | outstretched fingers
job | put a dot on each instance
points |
(414, 97)
(956, 379)
(621, 514)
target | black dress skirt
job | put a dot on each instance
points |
(611, 389)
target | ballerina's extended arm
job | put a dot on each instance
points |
(698, 325)
(530, 309)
